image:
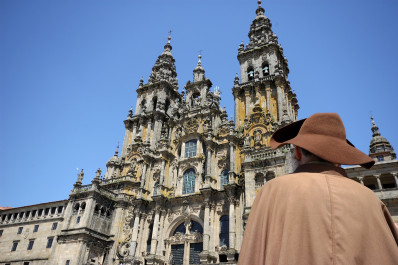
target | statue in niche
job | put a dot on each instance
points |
(258, 136)
(247, 140)
(178, 133)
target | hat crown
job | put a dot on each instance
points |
(328, 124)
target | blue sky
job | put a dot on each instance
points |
(69, 71)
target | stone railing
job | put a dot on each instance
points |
(118, 179)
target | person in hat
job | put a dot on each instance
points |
(317, 215)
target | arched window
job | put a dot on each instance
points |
(259, 180)
(195, 226)
(180, 229)
(269, 176)
(155, 189)
(77, 206)
(250, 73)
(154, 103)
(148, 242)
(143, 105)
(190, 148)
(167, 105)
(83, 206)
(224, 178)
(265, 69)
(189, 182)
(224, 230)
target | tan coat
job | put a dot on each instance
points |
(318, 216)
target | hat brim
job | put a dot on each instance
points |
(329, 148)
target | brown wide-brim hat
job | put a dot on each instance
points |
(323, 134)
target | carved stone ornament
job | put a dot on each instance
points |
(191, 125)
(123, 249)
(127, 222)
(179, 238)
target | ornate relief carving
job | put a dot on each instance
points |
(123, 249)
(191, 125)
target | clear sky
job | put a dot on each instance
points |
(69, 71)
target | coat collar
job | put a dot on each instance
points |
(321, 167)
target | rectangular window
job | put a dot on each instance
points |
(1, 232)
(14, 246)
(190, 148)
(54, 226)
(36, 228)
(67, 262)
(20, 230)
(34, 213)
(27, 214)
(26, 263)
(49, 242)
(78, 220)
(60, 208)
(53, 210)
(30, 245)
(40, 212)
(46, 211)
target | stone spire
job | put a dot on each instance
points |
(260, 30)
(379, 148)
(199, 72)
(164, 68)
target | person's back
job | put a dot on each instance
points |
(318, 216)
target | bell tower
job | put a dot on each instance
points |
(264, 76)
(264, 102)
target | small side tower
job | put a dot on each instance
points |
(379, 148)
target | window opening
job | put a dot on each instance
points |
(60, 208)
(53, 210)
(224, 178)
(20, 230)
(46, 211)
(54, 226)
(265, 70)
(35, 228)
(78, 220)
(189, 182)
(250, 74)
(30, 245)
(14, 246)
(148, 242)
(224, 230)
(190, 148)
(49, 242)
(180, 229)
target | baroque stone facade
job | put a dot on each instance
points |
(186, 178)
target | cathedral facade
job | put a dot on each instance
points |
(182, 187)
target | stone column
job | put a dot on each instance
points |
(125, 142)
(231, 162)
(142, 235)
(183, 150)
(206, 231)
(212, 235)
(148, 132)
(156, 131)
(231, 223)
(247, 99)
(88, 213)
(162, 171)
(279, 95)
(143, 176)
(268, 95)
(395, 178)
(134, 236)
(160, 245)
(208, 163)
(377, 176)
(236, 100)
(155, 232)
(115, 230)
(134, 131)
